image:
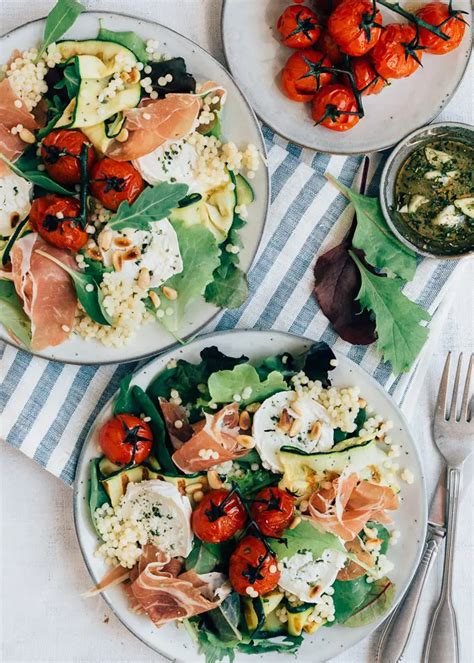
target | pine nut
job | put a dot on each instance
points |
(155, 300)
(169, 293)
(244, 421)
(143, 278)
(253, 407)
(315, 432)
(198, 495)
(27, 136)
(94, 253)
(192, 489)
(132, 254)
(295, 428)
(105, 240)
(295, 522)
(134, 76)
(246, 441)
(214, 480)
(314, 591)
(117, 260)
(122, 136)
(122, 242)
(284, 423)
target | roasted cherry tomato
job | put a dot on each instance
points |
(304, 74)
(56, 219)
(326, 44)
(112, 182)
(218, 516)
(299, 27)
(253, 565)
(335, 107)
(397, 53)
(126, 439)
(367, 80)
(273, 510)
(355, 26)
(60, 152)
(449, 21)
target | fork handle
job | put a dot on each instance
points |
(442, 643)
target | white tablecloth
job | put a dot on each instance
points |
(43, 575)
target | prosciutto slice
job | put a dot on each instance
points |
(154, 122)
(352, 570)
(348, 504)
(219, 434)
(48, 295)
(171, 414)
(11, 146)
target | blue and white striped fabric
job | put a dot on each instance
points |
(49, 407)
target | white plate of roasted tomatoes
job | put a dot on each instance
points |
(403, 96)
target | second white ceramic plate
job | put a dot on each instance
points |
(256, 57)
(410, 518)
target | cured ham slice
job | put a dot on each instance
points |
(48, 295)
(352, 570)
(154, 122)
(171, 414)
(12, 114)
(216, 441)
(347, 505)
(115, 576)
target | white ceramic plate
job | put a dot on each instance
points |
(256, 56)
(410, 519)
(239, 125)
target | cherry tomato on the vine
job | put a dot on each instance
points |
(366, 79)
(112, 182)
(60, 152)
(355, 25)
(273, 510)
(253, 565)
(218, 516)
(298, 27)
(449, 21)
(126, 439)
(327, 45)
(304, 74)
(335, 107)
(57, 220)
(397, 53)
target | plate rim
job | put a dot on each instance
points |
(4, 336)
(440, 108)
(303, 339)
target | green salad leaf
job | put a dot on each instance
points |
(124, 402)
(400, 337)
(224, 619)
(375, 604)
(71, 79)
(283, 363)
(223, 385)
(153, 204)
(382, 533)
(348, 596)
(55, 110)
(60, 19)
(289, 644)
(209, 645)
(306, 536)
(130, 40)
(97, 494)
(37, 177)
(7, 244)
(204, 557)
(317, 362)
(182, 81)
(12, 315)
(200, 256)
(252, 481)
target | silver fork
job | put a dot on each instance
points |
(453, 435)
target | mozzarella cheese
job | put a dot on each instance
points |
(269, 437)
(171, 162)
(164, 512)
(159, 252)
(15, 201)
(307, 577)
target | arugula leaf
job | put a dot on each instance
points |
(224, 384)
(200, 257)
(71, 79)
(60, 19)
(88, 291)
(153, 204)
(306, 536)
(130, 40)
(203, 558)
(372, 235)
(55, 110)
(400, 337)
(288, 645)
(176, 67)
(97, 494)
(348, 596)
(12, 315)
(376, 603)
(209, 645)
(37, 177)
(252, 481)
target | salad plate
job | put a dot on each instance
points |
(256, 57)
(220, 233)
(378, 423)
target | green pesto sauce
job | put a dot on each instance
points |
(449, 181)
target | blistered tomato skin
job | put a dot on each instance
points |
(395, 55)
(451, 23)
(335, 107)
(355, 27)
(253, 568)
(126, 439)
(57, 220)
(113, 182)
(304, 74)
(298, 27)
(367, 80)
(60, 152)
(218, 516)
(273, 510)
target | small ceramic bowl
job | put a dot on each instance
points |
(453, 130)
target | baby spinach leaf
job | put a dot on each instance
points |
(382, 533)
(224, 384)
(182, 81)
(224, 619)
(130, 40)
(97, 494)
(60, 19)
(37, 177)
(88, 291)
(283, 363)
(203, 558)
(12, 315)
(306, 536)
(400, 337)
(124, 403)
(316, 362)
(348, 596)
(375, 604)
(153, 204)
(70, 80)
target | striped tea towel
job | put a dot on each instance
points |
(49, 407)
